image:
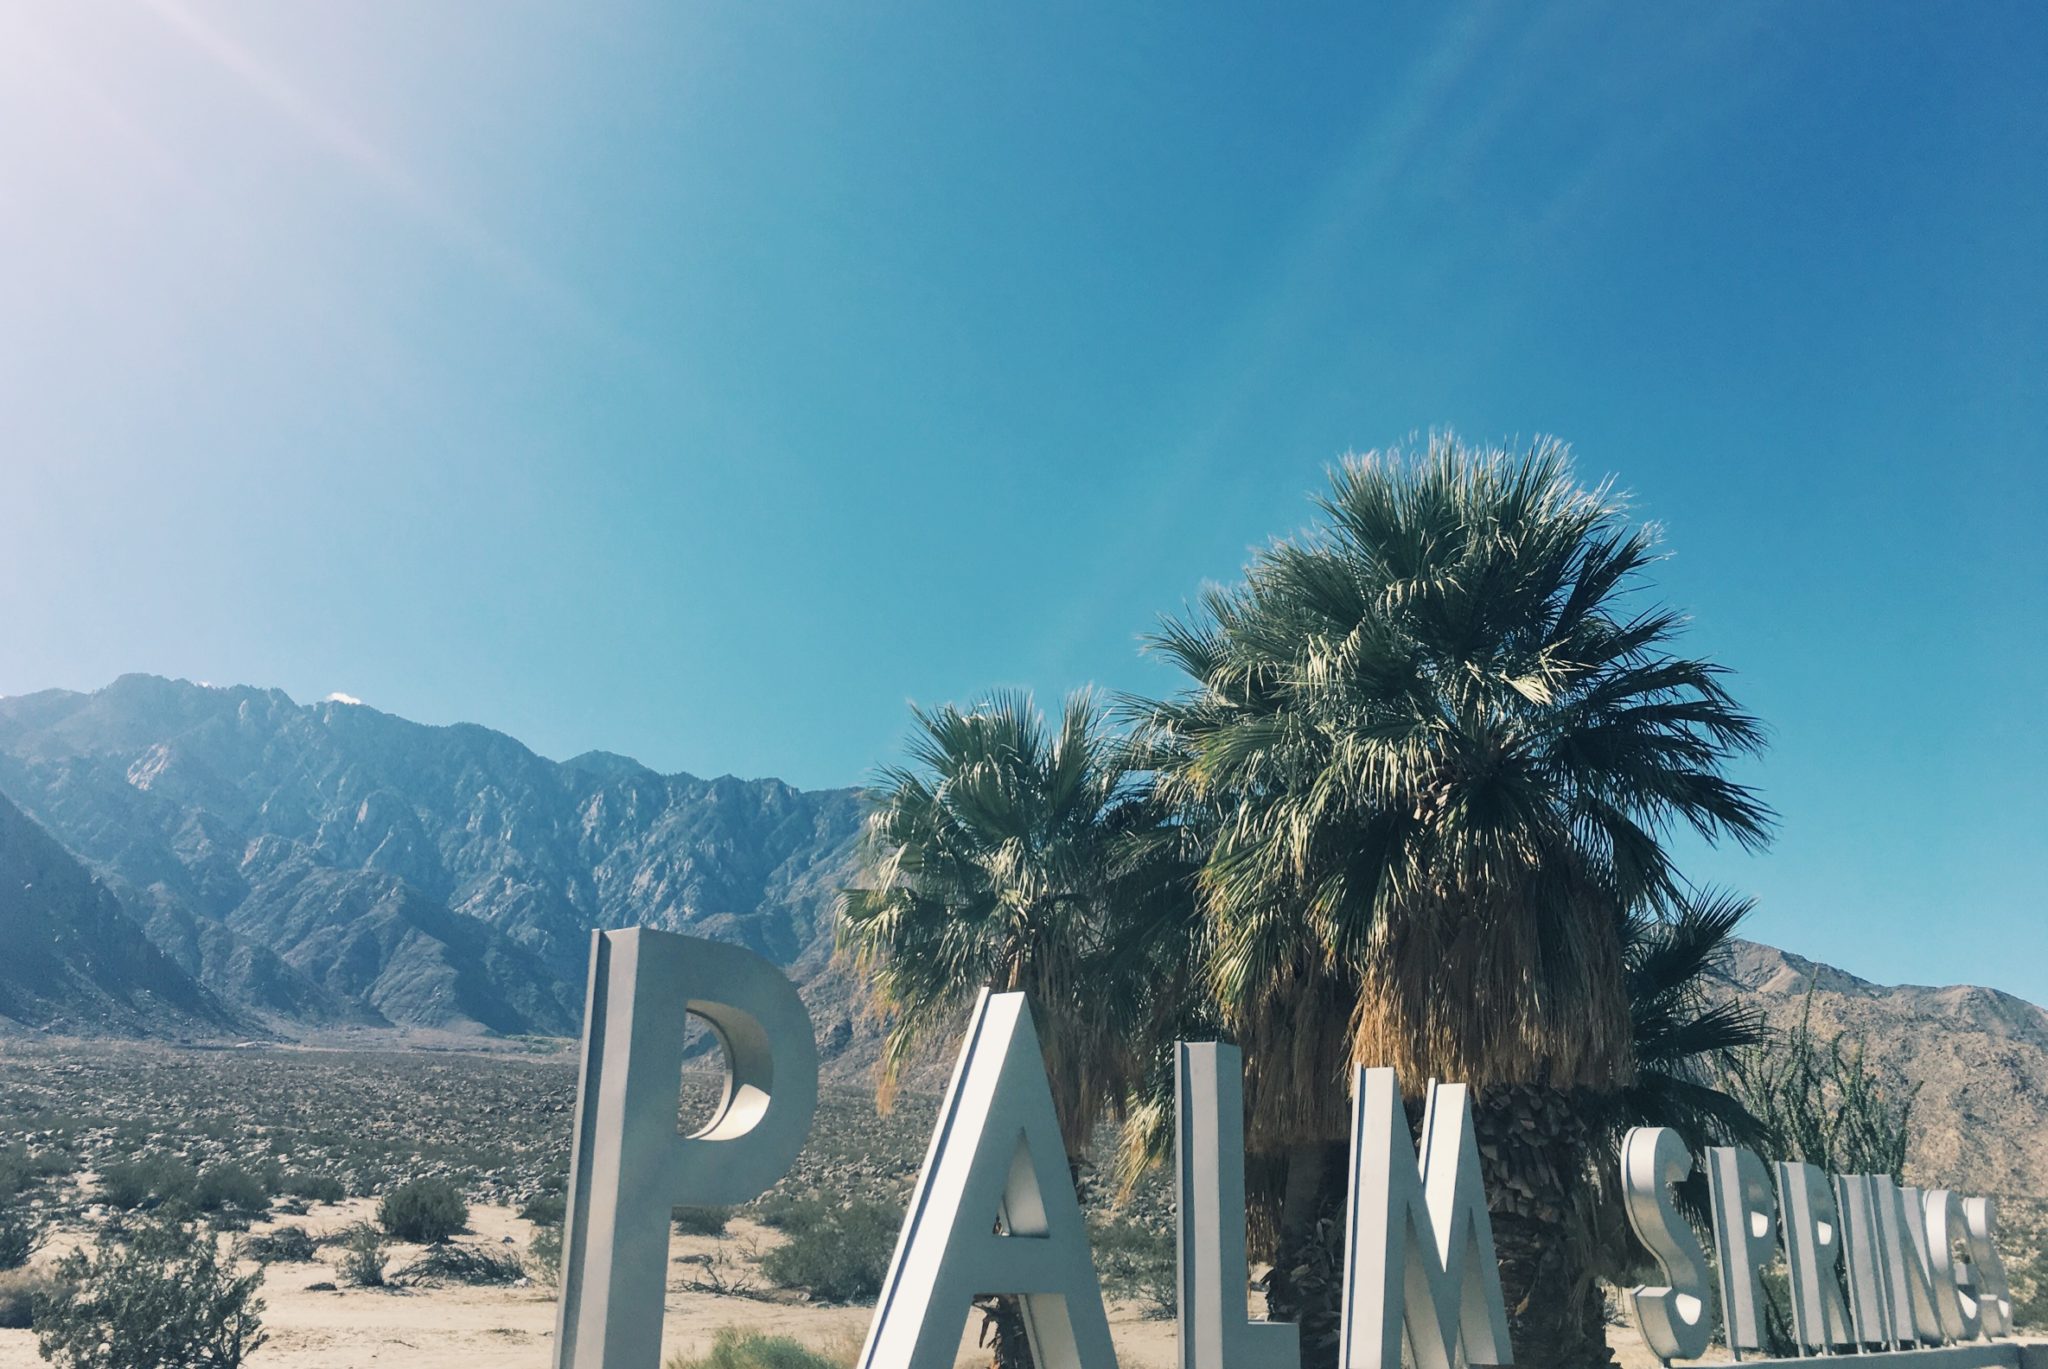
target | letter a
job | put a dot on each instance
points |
(996, 1154)
(1418, 1249)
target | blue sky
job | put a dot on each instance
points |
(704, 383)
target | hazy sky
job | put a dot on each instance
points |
(704, 383)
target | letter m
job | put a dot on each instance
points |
(1418, 1242)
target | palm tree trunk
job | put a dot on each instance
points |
(1002, 1331)
(1307, 1283)
(1532, 1149)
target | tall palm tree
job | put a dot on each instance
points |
(1010, 855)
(1441, 749)
(1013, 856)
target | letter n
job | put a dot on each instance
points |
(1418, 1242)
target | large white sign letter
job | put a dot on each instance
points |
(1947, 1229)
(630, 1167)
(1987, 1271)
(1673, 1319)
(996, 1155)
(1418, 1249)
(1215, 1330)
(1813, 1250)
(1745, 1236)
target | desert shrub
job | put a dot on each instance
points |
(544, 1257)
(164, 1297)
(702, 1221)
(544, 1209)
(315, 1188)
(286, 1245)
(460, 1264)
(148, 1182)
(1138, 1264)
(20, 1170)
(1817, 1099)
(362, 1256)
(20, 1235)
(787, 1212)
(733, 1348)
(20, 1289)
(840, 1256)
(424, 1211)
(230, 1188)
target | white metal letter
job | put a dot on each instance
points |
(1418, 1242)
(1909, 1274)
(996, 1155)
(1813, 1249)
(1215, 1330)
(1745, 1237)
(1864, 1258)
(1673, 1318)
(1946, 1229)
(629, 1167)
(1987, 1271)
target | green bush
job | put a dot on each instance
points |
(20, 1290)
(544, 1209)
(544, 1257)
(424, 1211)
(20, 1170)
(20, 1235)
(702, 1221)
(733, 1348)
(362, 1256)
(1137, 1264)
(148, 1182)
(315, 1188)
(165, 1297)
(840, 1256)
(787, 1212)
(230, 1188)
(286, 1245)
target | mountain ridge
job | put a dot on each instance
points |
(335, 863)
(328, 865)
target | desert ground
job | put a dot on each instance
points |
(311, 1326)
(495, 1123)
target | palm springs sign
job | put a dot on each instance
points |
(994, 1210)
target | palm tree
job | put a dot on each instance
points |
(1440, 751)
(1011, 856)
(1685, 1037)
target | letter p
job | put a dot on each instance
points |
(630, 1166)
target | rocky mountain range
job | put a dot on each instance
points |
(303, 867)
(330, 864)
(71, 959)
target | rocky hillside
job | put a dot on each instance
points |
(72, 961)
(331, 864)
(1979, 1059)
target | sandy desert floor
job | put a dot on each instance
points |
(489, 1328)
(495, 1328)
